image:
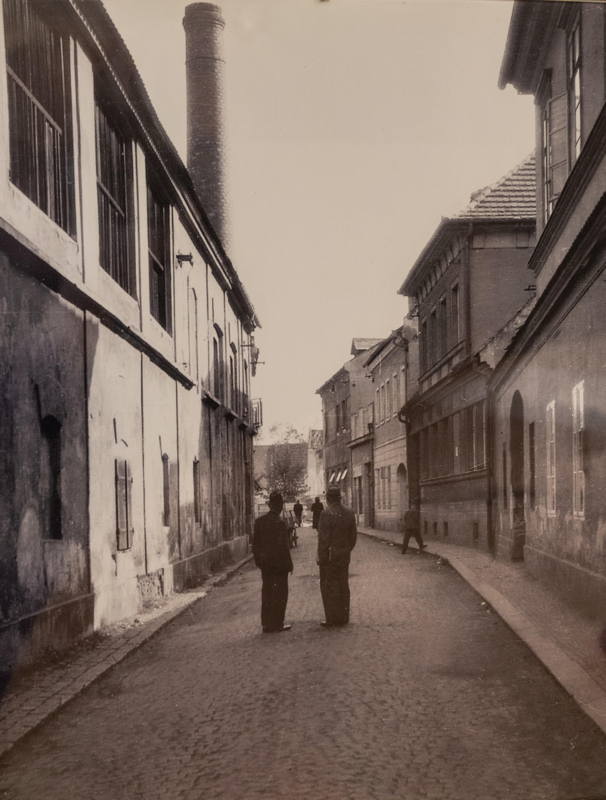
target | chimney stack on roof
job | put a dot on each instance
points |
(204, 25)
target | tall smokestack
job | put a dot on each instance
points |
(204, 25)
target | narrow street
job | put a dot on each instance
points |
(427, 694)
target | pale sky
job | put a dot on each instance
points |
(352, 127)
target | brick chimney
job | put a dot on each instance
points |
(204, 25)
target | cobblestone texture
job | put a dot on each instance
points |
(427, 694)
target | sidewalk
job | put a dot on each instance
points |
(566, 642)
(37, 693)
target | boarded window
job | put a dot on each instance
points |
(39, 107)
(124, 514)
(550, 447)
(578, 441)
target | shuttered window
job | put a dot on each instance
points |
(578, 465)
(124, 513)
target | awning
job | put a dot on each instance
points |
(343, 475)
(332, 477)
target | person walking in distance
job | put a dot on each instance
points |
(298, 512)
(316, 509)
(336, 539)
(412, 528)
(272, 555)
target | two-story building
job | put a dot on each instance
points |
(468, 282)
(549, 390)
(336, 412)
(125, 456)
(392, 366)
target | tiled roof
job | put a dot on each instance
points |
(511, 197)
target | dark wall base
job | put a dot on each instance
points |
(580, 588)
(56, 628)
(192, 571)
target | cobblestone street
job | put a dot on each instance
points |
(427, 694)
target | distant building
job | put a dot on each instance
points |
(126, 455)
(393, 366)
(549, 390)
(469, 281)
(336, 398)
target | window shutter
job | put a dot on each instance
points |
(121, 516)
(129, 507)
(558, 143)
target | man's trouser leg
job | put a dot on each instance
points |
(344, 595)
(334, 586)
(407, 535)
(274, 596)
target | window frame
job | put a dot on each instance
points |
(550, 459)
(578, 455)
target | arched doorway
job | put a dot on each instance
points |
(516, 460)
(402, 476)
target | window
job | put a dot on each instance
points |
(124, 514)
(158, 231)
(454, 315)
(433, 338)
(197, 498)
(573, 59)
(194, 352)
(50, 479)
(218, 369)
(113, 198)
(578, 465)
(39, 108)
(388, 399)
(395, 384)
(550, 446)
(504, 476)
(232, 383)
(338, 417)
(423, 346)
(388, 481)
(443, 330)
(554, 156)
(532, 490)
(166, 489)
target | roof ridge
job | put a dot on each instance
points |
(521, 195)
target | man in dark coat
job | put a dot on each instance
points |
(298, 512)
(316, 509)
(412, 528)
(272, 555)
(336, 539)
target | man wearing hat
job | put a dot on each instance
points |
(337, 535)
(272, 556)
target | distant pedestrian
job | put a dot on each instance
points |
(272, 555)
(316, 509)
(336, 539)
(298, 512)
(412, 528)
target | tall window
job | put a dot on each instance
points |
(443, 323)
(573, 58)
(554, 147)
(388, 399)
(158, 232)
(550, 446)
(578, 466)
(113, 197)
(39, 107)
(454, 315)
(218, 368)
(423, 346)
(165, 490)
(433, 338)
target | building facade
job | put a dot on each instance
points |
(549, 389)
(336, 406)
(470, 280)
(391, 366)
(126, 456)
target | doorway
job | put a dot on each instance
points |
(402, 476)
